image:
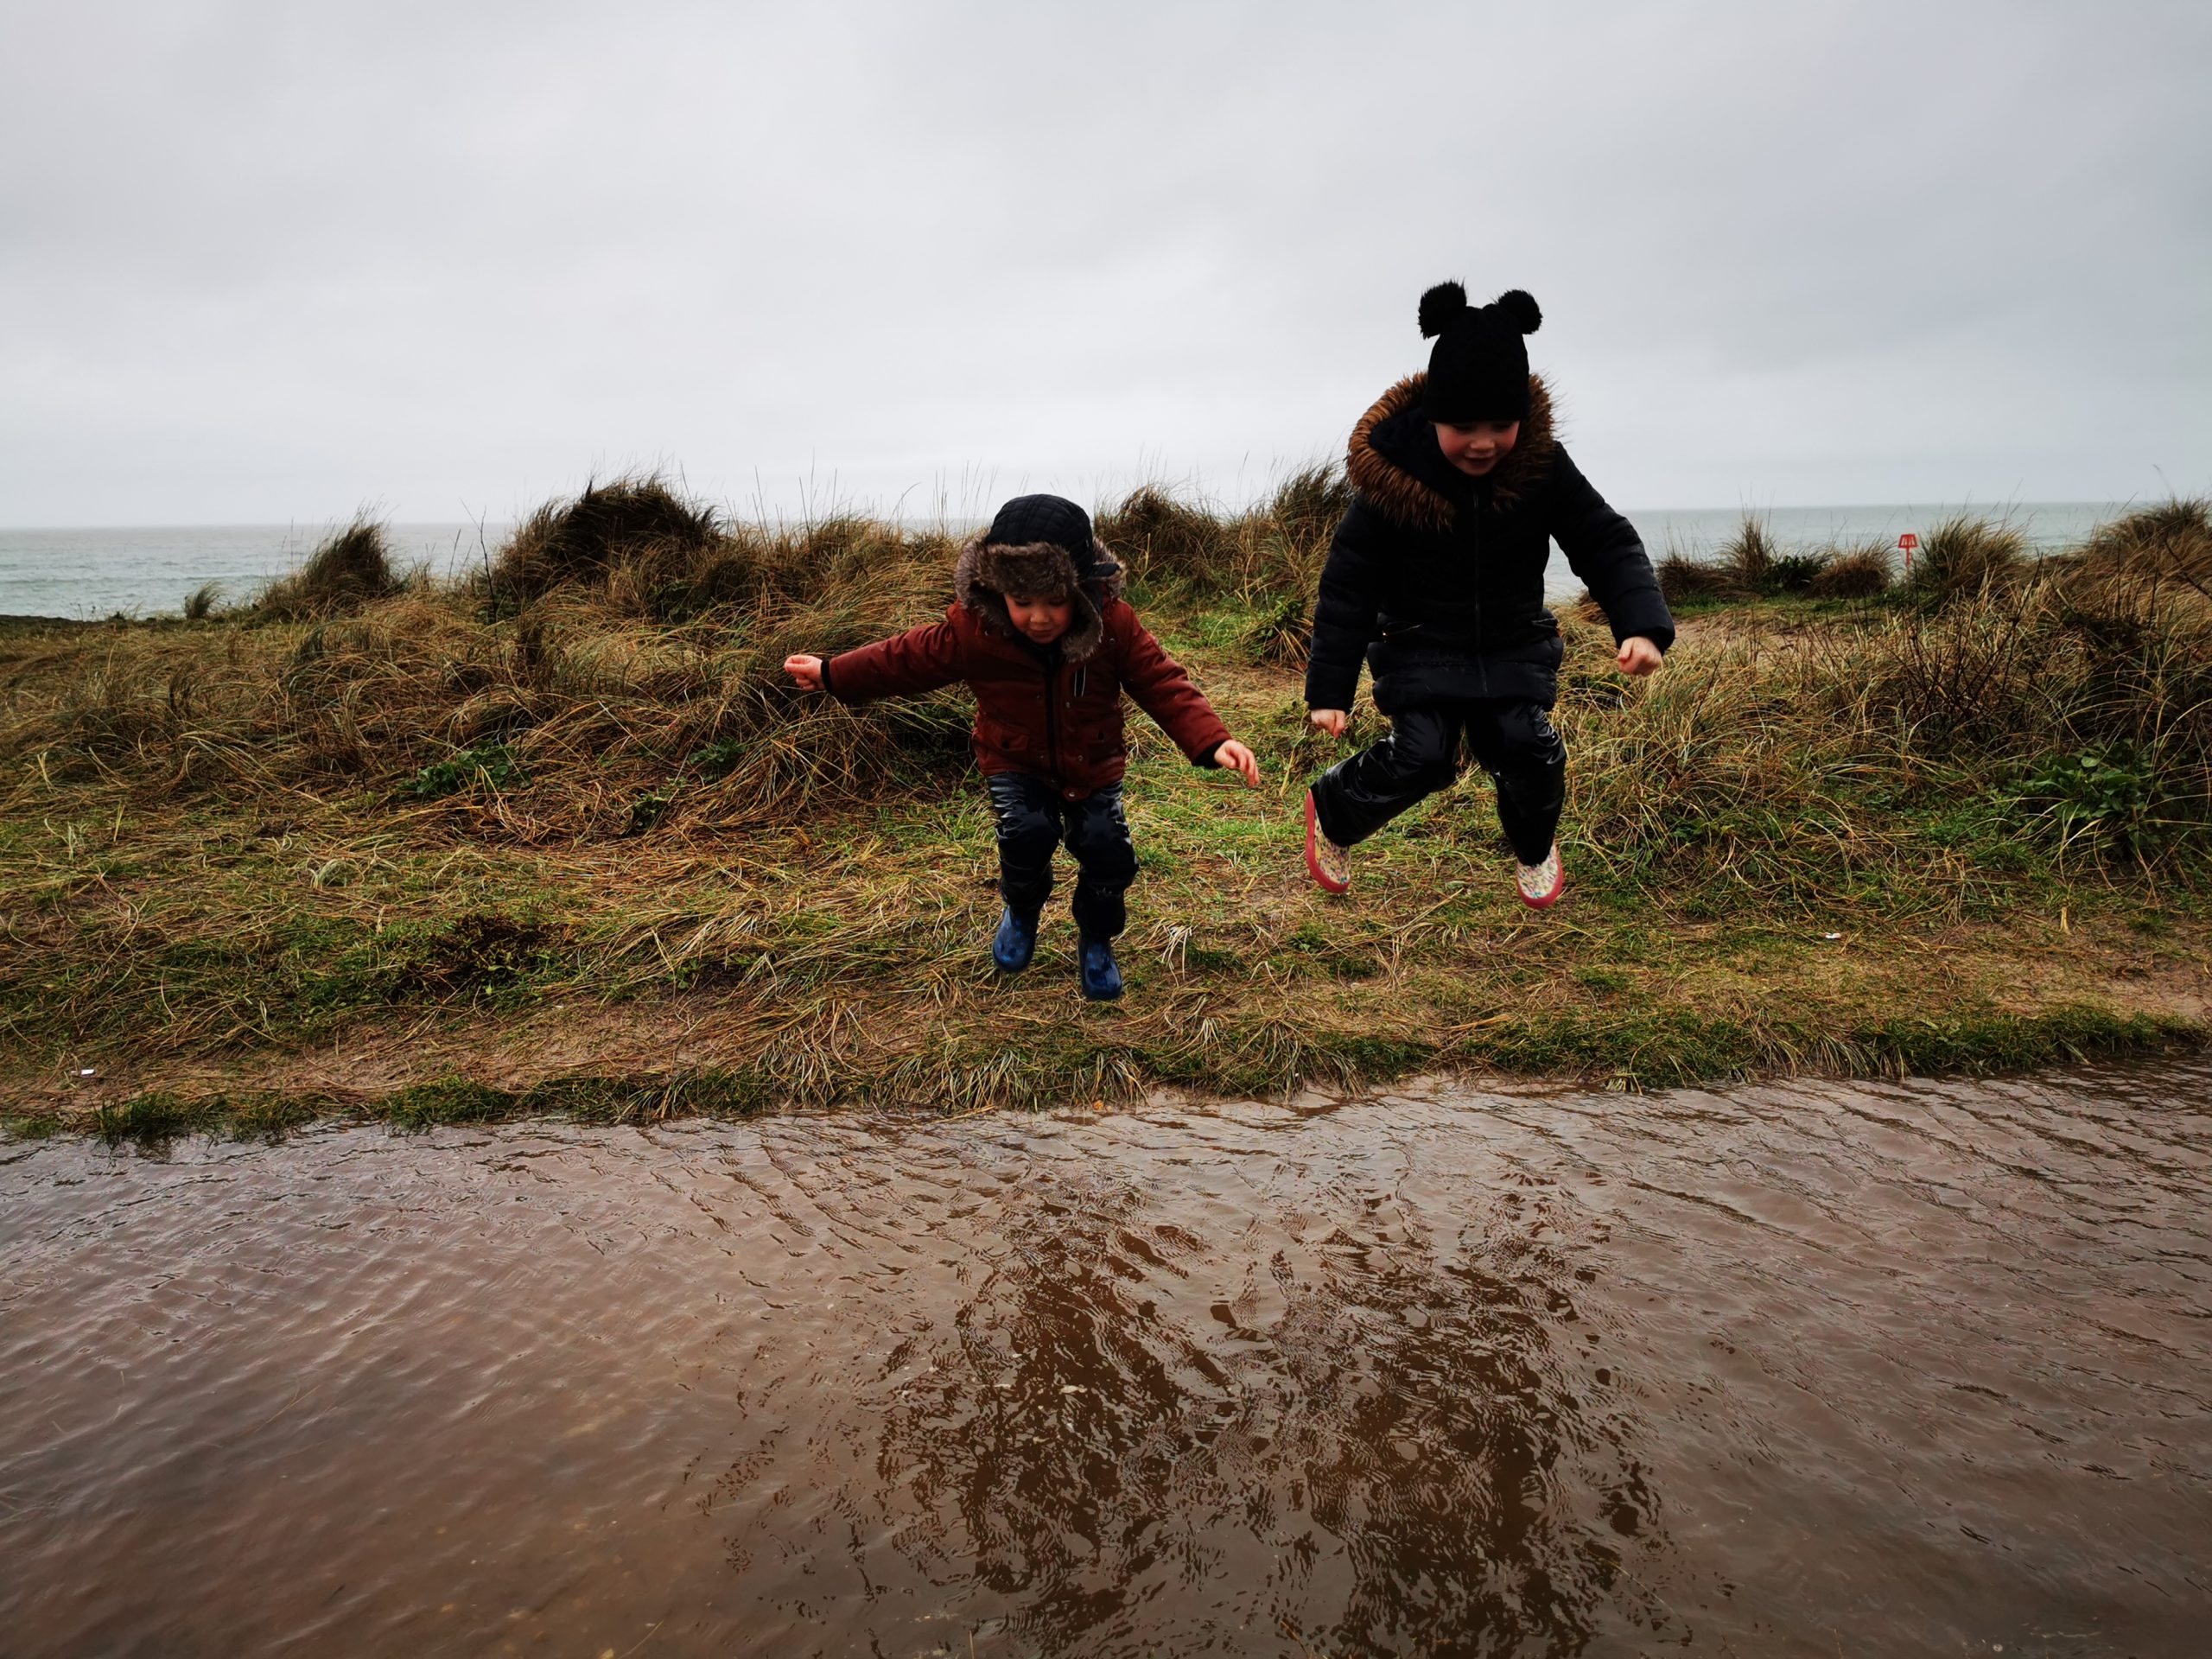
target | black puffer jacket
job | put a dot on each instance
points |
(1436, 578)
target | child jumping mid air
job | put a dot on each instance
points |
(1436, 579)
(1038, 630)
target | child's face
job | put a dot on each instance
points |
(1475, 446)
(1041, 619)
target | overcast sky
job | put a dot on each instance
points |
(270, 262)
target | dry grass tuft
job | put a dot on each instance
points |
(1963, 557)
(1160, 539)
(1269, 557)
(1750, 557)
(650, 698)
(1861, 572)
(1686, 581)
(2173, 539)
(1751, 565)
(1310, 502)
(351, 568)
(584, 540)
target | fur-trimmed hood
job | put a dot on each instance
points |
(1391, 481)
(987, 571)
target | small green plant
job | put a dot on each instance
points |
(718, 759)
(1277, 630)
(649, 809)
(2092, 796)
(493, 764)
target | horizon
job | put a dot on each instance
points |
(320, 524)
(89, 571)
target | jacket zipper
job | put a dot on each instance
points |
(1051, 725)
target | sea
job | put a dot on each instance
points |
(142, 571)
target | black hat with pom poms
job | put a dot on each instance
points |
(1478, 370)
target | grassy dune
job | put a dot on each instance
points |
(560, 838)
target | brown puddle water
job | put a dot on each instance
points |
(1788, 1369)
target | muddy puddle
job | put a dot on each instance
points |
(1792, 1369)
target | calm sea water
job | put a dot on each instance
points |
(142, 572)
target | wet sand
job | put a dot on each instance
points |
(1803, 1368)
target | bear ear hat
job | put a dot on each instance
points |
(1446, 302)
(1517, 306)
(1439, 305)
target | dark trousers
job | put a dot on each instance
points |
(1511, 740)
(1034, 818)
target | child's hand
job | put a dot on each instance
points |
(1638, 656)
(1335, 721)
(1233, 756)
(807, 670)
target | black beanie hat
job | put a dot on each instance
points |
(1054, 518)
(1479, 368)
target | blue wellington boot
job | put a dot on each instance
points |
(1015, 942)
(1101, 976)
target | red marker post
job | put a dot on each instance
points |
(1908, 545)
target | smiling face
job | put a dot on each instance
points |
(1476, 446)
(1041, 619)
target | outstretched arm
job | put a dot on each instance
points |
(1163, 690)
(920, 659)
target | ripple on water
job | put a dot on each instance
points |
(1909, 1368)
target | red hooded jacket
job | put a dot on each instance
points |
(1056, 714)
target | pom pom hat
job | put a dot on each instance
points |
(1478, 370)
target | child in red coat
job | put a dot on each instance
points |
(1039, 631)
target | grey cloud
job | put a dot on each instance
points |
(265, 262)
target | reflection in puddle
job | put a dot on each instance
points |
(1893, 1368)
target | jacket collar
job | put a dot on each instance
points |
(1391, 449)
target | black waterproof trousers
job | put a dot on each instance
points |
(1512, 740)
(1034, 818)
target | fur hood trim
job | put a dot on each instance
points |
(1410, 501)
(987, 572)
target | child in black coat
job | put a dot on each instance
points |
(1436, 579)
